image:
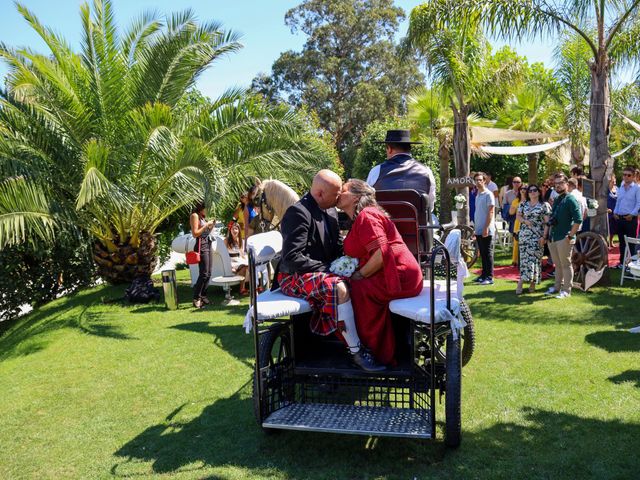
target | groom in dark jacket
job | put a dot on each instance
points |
(311, 241)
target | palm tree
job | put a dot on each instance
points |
(101, 139)
(432, 116)
(610, 29)
(572, 93)
(531, 109)
(462, 66)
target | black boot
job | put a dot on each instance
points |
(363, 359)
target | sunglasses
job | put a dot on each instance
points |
(627, 174)
(517, 181)
(533, 190)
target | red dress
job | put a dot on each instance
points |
(400, 277)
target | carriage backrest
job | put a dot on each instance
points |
(410, 212)
(265, 246)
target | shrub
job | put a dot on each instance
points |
(35, 273)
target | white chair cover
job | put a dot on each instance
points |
(452, 243)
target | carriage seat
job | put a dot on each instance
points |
(275, 304)
(263, 248)
(418, 308)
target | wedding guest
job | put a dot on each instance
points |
(566, 217)
(626, 210)
(200, 229)
(513, 210)
(508, 185)
(387, 268)
(235, 247)
(577, 172)
(484, 228)
(473, 193)
(612, 196)
(532, 215)
(250, 213)
(238, 213)
(491, 186)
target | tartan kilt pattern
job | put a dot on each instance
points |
(319, 289)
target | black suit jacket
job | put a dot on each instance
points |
(307, 246)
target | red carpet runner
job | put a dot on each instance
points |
(507, 272)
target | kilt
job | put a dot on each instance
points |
(319, 289)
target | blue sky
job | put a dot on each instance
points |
(261, 23)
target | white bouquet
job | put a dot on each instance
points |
(344, 266)
(592, 204)
(460, 199)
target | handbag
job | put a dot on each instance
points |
(193, 257)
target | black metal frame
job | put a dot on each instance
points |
(409, 391)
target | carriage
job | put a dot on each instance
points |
(305, 382)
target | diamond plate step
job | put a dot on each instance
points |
(352, 419)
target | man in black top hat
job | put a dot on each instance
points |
(401, 170)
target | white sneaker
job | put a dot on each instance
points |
(563, 295)
(551, 291)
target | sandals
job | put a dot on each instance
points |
(532, 288)
(519, 291)
(244, 291)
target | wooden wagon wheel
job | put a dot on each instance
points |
(589, 252)
(468, 244)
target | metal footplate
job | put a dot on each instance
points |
(357, 420)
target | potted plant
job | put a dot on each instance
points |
(592, 207)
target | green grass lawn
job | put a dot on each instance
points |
(94, 388)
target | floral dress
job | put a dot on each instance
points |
(529, 240)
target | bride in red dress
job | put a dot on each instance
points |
(387, 269)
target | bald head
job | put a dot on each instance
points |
(325, 188)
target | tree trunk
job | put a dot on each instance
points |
(577, 153)
(445, 194)
(126, 262)
(462, 154)
(533, 168)
(600, 162)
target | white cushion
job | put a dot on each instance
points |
(418, 308)
(278, 305)
(183, 243)
(224, 281)
(265, 246)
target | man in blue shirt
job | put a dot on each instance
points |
(484, 227)
(626, 211)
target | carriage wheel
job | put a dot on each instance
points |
(468, 244)
(467, 338)
(589, 252)
(453, 394)
(468, 334)
(275, 350)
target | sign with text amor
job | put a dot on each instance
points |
(460, 182)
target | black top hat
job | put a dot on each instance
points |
(398, 136)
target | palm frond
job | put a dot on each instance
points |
(24, 210)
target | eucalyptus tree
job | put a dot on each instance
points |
(100, 138)
(610, 28)
(460, 62)
(349, 71)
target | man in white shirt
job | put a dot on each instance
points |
(574, 189)
(401, 170)
(491, 186)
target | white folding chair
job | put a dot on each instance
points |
(628, 258)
